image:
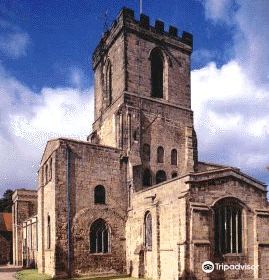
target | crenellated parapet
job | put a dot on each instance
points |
(126, 22)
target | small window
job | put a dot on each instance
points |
(100, 195)
(228, 227)
(160, 176)
(146, 152)
(160, 154)
(135, 136)
(174, 157)
(50, 169)
(147, 179)
(46, 174)
(148, 231)
(129, 196)
(99, 237)
(156, 73)
(174, 174)
(48, 233)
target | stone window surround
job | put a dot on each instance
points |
(244, 216)
(108, 229)
(148, 231)
(100, 195)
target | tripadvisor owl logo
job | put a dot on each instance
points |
(208, 266)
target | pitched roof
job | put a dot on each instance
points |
(5, 222)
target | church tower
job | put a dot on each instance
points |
(143, 98)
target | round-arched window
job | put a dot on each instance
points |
(160, 176)
(148, 231)
(100, 195)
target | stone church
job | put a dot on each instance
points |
(134, 198)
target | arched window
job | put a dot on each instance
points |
(100, 195)
(174, 157)
(174, 174)
(48, 232)
(160, 176)
(156, 73)
(146, 152)
(50, 169)
(108, 83)
(228, 226)
(148, 231)
(147, 180)
(99, 237)
(160, 154)
(46, 174)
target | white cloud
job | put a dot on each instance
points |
(250, 22)
(14, 45)
(231, 103)
(231, 115)
(251, 40)
(217, 9)
(77, 77)
(28, 119)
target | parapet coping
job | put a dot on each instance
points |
(64, 139)
(85, 143)
(19, 194)
(217, 165)
(232, 172)
(126, 18)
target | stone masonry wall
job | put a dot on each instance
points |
(176, 69)
(47, 211)
(255, 224)
(24, 206)
(5, 245)
(90, 165)
(167, 205)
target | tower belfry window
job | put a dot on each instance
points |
(156, 73)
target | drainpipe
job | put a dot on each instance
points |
(68, 218)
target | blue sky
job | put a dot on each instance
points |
(62, 35)
(46, 80)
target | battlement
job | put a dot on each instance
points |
(126, 21)
(144, 22)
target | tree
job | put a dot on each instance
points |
(6, 201)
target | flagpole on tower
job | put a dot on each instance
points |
(140, 6)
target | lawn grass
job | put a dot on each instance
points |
(32, 274)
